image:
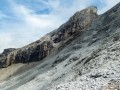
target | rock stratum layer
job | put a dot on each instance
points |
(82, 54)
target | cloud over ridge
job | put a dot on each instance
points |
(24, 21)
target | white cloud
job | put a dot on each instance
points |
(2, 15)
(108, 4)
(29, 26)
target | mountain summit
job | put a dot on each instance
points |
(82, 54)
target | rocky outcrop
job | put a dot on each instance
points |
(6, 51)
(27, 55)
(38, 50)
(75, 25)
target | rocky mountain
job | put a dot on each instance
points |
(82, 54)
(63, 35)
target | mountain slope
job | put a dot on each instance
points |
(82, 54)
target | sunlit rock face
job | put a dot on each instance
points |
(82, 54)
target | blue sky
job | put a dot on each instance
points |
(24, 21)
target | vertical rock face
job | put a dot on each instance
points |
(41, 51)
(27, 55)
(33, 54)
(38, 50)
(75, 25)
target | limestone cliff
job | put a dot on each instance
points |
(66, 33)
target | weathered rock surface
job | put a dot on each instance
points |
(6, 51)
(38, 50)
(25, 55)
